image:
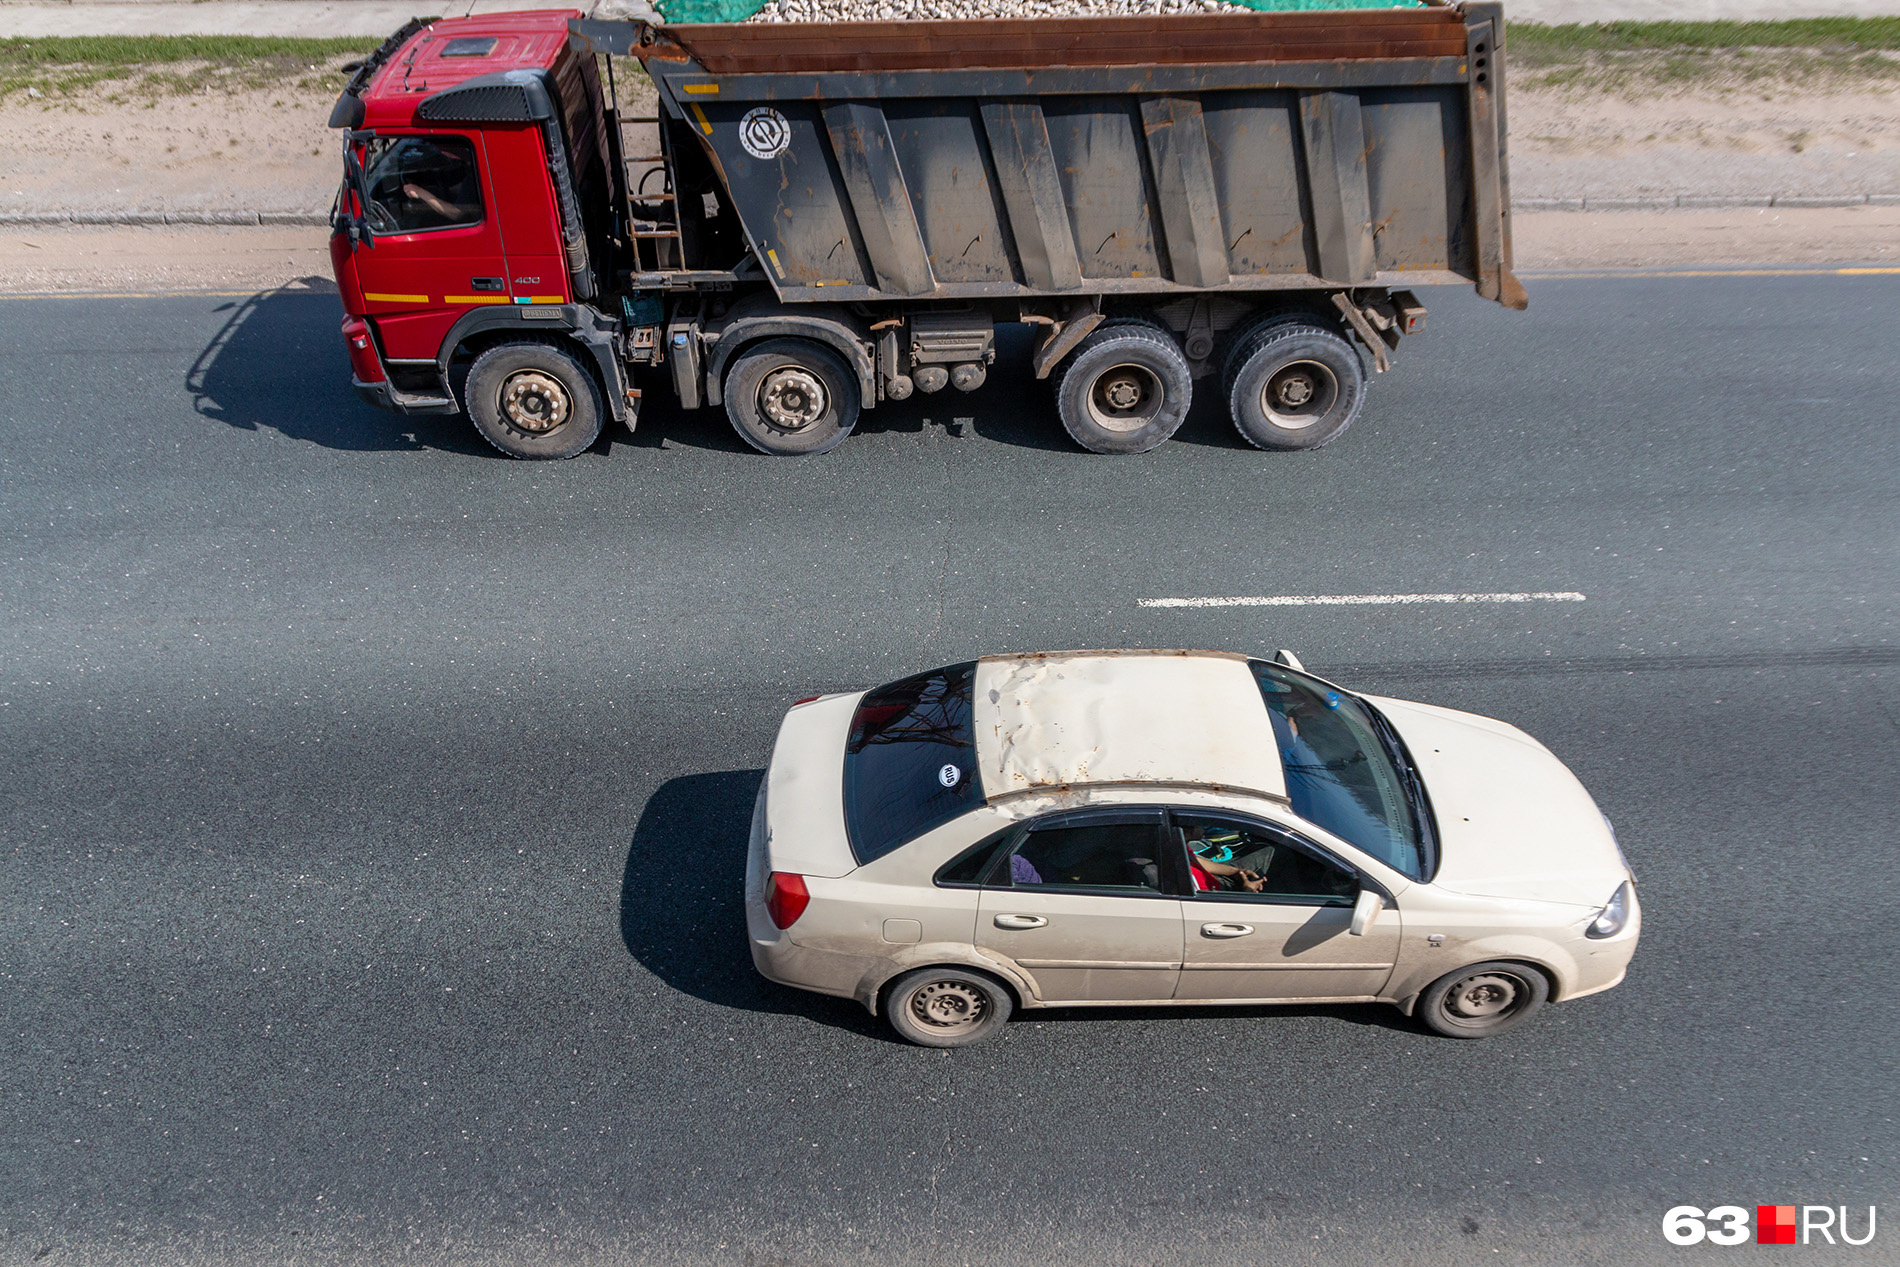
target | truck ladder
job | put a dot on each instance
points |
(652, 218)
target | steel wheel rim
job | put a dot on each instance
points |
(534, 401)
(792, 398)
(1125, 397)
(1486, 996)
(1298, 394)
(949, 1007)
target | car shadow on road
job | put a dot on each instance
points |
(278, 363)
(1371, 1015)
(682, 917)
(682, 909)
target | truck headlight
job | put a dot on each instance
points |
(1614, 915)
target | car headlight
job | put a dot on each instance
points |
(1614, 915)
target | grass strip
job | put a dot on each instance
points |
(1559, 42)
(155, 50)
(1526, 38)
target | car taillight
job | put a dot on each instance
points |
(786, 897)
(807, 700)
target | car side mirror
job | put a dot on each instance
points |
(1364, 911)
(1291, 661)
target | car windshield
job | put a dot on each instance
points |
(1347, 770)
(910, 760)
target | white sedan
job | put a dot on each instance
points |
(1176, 828)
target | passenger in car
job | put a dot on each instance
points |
(1208, 852)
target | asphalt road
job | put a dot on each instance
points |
(372, 808)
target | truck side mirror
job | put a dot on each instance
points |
(1364, 911)
(1291, 661)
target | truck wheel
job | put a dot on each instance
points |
(1483, 1000)
(946, 1007)
(533, 400)
(1125, 389)
(791, 397)
(1294, 385)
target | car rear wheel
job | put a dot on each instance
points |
(1483, 1000)
(947, 1007)
(533, 400)
(791, 397)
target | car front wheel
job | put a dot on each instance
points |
(947, 1007)
(1483, 1000)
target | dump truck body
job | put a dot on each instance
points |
(875, 198)
(904, 160)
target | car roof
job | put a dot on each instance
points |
(418, 70)
(1093, 718)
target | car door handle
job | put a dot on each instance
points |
(1020, 921)
(1226, 930)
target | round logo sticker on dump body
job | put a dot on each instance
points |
(764, 132)
(949, 776)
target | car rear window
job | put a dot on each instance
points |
(910, 760)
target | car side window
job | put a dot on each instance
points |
(969, 868)
(421, 182)
(1118, 853)
(1233, 858)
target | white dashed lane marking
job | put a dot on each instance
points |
(1364, 600)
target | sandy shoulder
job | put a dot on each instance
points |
(1708, 142)
(269, 149)
(242, 150)
(1556, 240)
(175, 257)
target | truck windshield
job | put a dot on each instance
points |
(417, 183)
(1347, 770)
(910, 760)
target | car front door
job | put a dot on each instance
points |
(1283, 930)
(1079, 904)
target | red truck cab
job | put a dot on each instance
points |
(472, 227)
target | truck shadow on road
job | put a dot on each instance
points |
(1012, 408)
(682, 911)
(278, 363)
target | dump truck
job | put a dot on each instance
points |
(819, 218)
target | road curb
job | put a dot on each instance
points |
(320, 219)
(1705, 202)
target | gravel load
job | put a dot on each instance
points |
(959, 10)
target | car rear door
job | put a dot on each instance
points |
(1079, 905)
(1290, 940)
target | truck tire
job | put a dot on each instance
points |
(533, 400)
(791, 397)
(1293, 384)
(1125, 389)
